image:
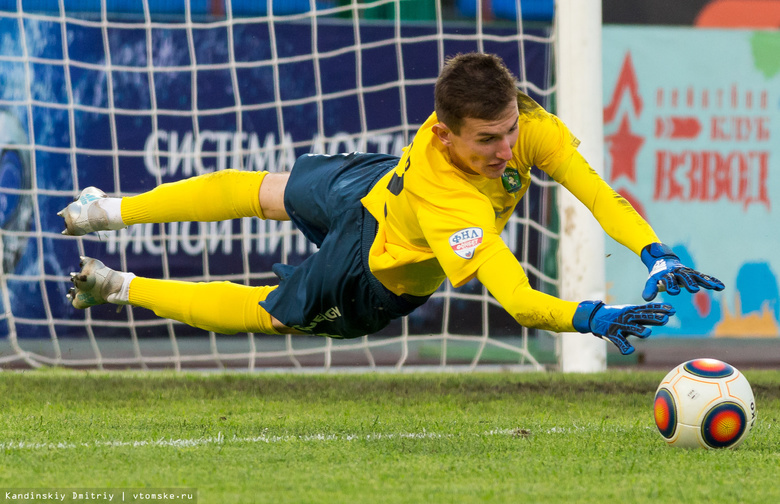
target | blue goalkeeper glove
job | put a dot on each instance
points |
(668, 273)
(616, 323)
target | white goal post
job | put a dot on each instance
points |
(128, 100)
(579, 105)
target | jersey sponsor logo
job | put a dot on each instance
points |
(466, 241)
(328, 315)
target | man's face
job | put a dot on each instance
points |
(483, 147)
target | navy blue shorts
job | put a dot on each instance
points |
(333, 293)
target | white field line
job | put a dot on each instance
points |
(220, 439)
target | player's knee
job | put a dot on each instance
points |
(272, 196)
(283, 329)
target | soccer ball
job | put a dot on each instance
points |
(704, 403)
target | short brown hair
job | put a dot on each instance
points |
(473, 85)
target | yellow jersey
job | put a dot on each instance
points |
(436, 221)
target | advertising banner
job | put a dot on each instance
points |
(691, 123)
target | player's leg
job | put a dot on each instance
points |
(222, 195)
(222, 307)
(271, 196)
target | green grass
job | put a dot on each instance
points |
(372, 438)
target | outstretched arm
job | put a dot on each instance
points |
(505, 279)
(623, 223)
(613, 212)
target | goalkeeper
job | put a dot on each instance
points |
(391, 230)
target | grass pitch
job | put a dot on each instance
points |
(370, 438)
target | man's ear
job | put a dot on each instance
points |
(443, 133)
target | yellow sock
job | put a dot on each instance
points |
(218, 196)
(222, 307)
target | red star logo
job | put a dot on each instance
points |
(623, 148)
(626, 83)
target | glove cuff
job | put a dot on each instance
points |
(651, 253)
(584, 314)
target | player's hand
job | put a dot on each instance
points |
(616, 323)
(668, 273)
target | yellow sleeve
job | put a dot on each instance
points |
(544, 140)
(505, 279)
(462, 235)
(615, 215)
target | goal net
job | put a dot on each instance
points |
(128, 95)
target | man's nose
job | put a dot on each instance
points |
(504, 152)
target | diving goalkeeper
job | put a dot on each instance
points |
(391, 230)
